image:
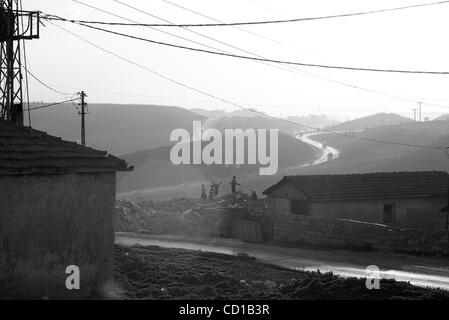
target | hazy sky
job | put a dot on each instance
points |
(408, 39)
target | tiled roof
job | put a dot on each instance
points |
(25, 150)
(384, 185)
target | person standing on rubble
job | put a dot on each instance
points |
(211, 193)
(216, 187)
(234, 185)
(203, 192)
(254, 195)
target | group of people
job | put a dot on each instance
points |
(214, 190)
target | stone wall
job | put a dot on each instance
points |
(48, 222)
(235, 223)
(297, 229)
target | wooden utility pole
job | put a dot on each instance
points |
(83, 105)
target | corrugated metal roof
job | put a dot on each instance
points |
(25, 150)
(382, 185)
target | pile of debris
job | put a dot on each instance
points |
(131, 216)
(184, 216)
(175, 205)
(176, 217)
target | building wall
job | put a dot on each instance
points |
(48, 222)
(299, 229)
(286, 192)
(408, 213)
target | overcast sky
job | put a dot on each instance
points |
(408, 39)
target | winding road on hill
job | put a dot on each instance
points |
(326, 153)
(420, 271)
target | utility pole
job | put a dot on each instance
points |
(83, 105)
(12, 32)
(414, 114)
(420, 103)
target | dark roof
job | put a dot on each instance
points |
(24, 150)
(385, 185)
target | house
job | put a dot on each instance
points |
(401, 199)
(56, 208)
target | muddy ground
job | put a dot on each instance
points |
(159, 273)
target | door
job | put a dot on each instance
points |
(282, 205)
(388, 214)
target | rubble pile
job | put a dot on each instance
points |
(130, 216)
(182, 216)
(176, 216)
(175, 205)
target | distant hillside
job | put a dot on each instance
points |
(443, 117)
(153, 168)
(116, 128)
(210, 113)
(258, 122)
(224, 113)
(315, 121)
(376, 120)
(358, 156)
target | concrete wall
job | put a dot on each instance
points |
(299, 229)
(285, 191)
(408, 213)
(48, 222)
(229, 222)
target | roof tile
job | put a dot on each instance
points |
(26, 150)
(381, 185)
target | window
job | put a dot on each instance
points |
(388, 216)
(300, 206)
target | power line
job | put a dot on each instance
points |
(133, 21)
(197, 33)
(246, 23)
(246, 109)
(287, 68)
(256, 105)
(294, 69)
(291, 69)
(192, 31)
(314, 65)
(53, 104)
(43, 83)
(147, 69)
(236, 27)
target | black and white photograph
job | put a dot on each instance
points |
(224, 156)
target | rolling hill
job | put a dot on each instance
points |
(372, 121)
(154, 170)
(358, 156)
(257, 122)
(223, 113)
(118, 129)
(315, 121)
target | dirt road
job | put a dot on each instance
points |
(326, 153)
(421, 271)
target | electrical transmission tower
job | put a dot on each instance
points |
(16, 26)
